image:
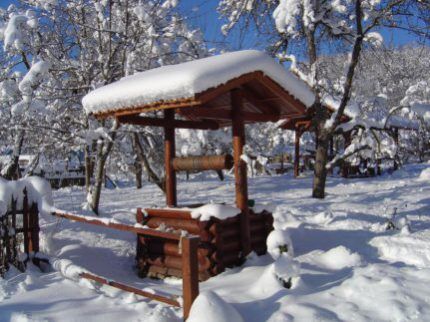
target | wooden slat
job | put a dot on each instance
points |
(251, 97)
(118, 226)
(131, 289)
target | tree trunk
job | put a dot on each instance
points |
(11, 170)
(144, 161)
(138, 174)
(103, 152)
(320, 171)
(88, 169)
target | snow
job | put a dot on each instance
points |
(219, 211)
(336, 258)
(350, 268)
(278, 242)
(184, 81)
(209, 307)
(33, 77)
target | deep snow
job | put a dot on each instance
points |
(352, 268)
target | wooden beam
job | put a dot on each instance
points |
(284, 95)
(169, 154)
(131, 289)
(241, 183)
(182, 124)
(118, 226)
(252, 98)
(223, 114)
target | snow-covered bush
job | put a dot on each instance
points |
(280, 247)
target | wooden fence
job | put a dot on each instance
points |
(188, 244)
(19, 234)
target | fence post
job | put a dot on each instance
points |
(190, 272)
(34, 227)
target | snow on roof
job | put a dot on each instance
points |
(184, 81)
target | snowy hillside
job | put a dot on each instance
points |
(352, 268)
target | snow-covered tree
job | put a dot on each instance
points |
(311, 30)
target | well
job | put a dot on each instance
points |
(232, 89)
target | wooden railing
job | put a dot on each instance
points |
(189, 245)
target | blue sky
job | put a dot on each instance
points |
(204, 15)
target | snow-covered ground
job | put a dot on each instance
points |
(352, 268)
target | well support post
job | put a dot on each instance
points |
(190, 272)
(169, 154)
(298, 134)
(241, 182)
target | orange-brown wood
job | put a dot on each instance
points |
(128, 288)
(241, 182)
(117, 226)
(169, 154)
(201, 163)
(151, 121)
(297, 153)
(190, 281)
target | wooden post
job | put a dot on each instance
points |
(396, 140)
(241, 183)
(297, 153)
(26, 225)
(190, 272)
(169, 154)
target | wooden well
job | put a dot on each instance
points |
(250, 98)
(219, 246)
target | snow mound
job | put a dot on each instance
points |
(278, 242)
(209, 307)
(337, 258)
(184, 81)
(219, 211)
(412, 249)
(424, 175)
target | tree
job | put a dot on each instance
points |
(314, 29)
(90, 44)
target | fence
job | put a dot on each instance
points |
(188, 245)
(19, 233)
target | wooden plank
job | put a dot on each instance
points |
(225, 115)
(183, 124)
(118, 226)
(190, 273)
(290, 100)
(169, 154)
(131, 289)
(241, 182)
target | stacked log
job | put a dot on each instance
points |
(220, 244)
